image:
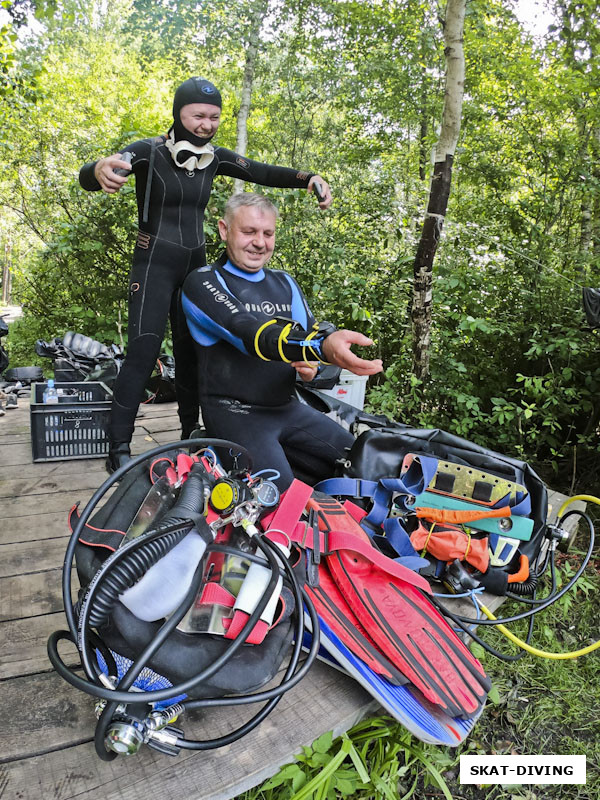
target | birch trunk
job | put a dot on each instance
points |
(241, 142)
(440, 186)
(6, 275)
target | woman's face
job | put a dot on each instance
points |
(201, 119)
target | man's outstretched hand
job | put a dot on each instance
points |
(336, 350)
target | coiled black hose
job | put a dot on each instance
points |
(525, 587)
(189, 506)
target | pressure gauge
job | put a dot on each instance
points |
(225, 496)
(267, 494)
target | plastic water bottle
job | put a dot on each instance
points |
(50, 395)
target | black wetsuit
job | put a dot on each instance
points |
(238, 321)
(170, 244)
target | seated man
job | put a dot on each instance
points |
(253, 332)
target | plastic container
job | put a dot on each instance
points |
(50, 396)
(349, 389)
(74, 428)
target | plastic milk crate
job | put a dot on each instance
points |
(75, 427)
(349, 389)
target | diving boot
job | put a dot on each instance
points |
(119, 453)
(195, 433)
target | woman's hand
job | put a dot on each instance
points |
(109, 181)
(325, 190)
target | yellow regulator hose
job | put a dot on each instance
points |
(519, 642)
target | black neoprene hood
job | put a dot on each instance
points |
(195, 90)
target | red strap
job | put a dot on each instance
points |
(215, 594)
(340, 540)
(240, 618)
(356, 512)
(184, 465)
(290, 510)
(291, 507)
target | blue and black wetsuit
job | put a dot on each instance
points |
(169, 246)
(240, 322)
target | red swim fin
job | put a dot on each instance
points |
(411, 632)
(396, 615)
(333, 609)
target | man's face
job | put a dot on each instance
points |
(250, 237)
(201, 119)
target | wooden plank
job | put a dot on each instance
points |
(19, 453)
(154, 410)
(164, 437)
(18, 432)
(35, 526)
(30, 595)
(50, 712)
(58, 501)
(51, 469)
(24, 645)
(161, 423)
(59, 714)
(34, 489)
(16, 460)
(27, 557)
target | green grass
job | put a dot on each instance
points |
(537, 706)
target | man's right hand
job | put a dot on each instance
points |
(336, 349)
(108, 180)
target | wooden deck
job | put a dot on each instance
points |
(46, 726)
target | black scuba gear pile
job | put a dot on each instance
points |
(76, 357)
(236, 604)
(146, 667)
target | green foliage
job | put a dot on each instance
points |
(535, 706)
(377, 759)
(354, 91)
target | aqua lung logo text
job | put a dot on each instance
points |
(268, 308)
(221, 297)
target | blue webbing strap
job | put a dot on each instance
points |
(413, 482)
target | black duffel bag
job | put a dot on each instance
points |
(379, 452)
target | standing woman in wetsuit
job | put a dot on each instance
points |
(174, 176)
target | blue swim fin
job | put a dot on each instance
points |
(423, 719)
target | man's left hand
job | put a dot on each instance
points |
(306, 369)
(325, 191)
(336, 349)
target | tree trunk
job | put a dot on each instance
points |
(586, 236)
(595, 224)
(6, 276)
(241, 144)
(440, 186)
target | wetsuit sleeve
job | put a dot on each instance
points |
(87, 179)
(213, 314)
(140, 151)
(237, 166)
